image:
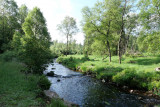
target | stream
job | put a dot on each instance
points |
(90, 92)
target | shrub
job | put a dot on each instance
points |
(85, 59)
(44, 83)
(126, 77)
(56, 103)
(8, 55)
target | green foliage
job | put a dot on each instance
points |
(107, 25)
(149, 42)
(59, 49)
(85, 58)
(68, 28)
(36, 41)
(44, 83)
(8, 56)
(8, 23)
(16, 88)
(126, 77)
(56, 103)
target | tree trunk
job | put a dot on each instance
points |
(119, 50)
(108, 45)
(122, 35)
(121, 45)
(127, 41)
(67, 46)
(109, 50)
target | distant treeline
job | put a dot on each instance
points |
(59, 48)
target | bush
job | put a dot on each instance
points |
(44, 83)
(8, 56)
(126, 77)
(85, 59)
(56, 103)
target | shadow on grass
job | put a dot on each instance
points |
(107, 72)
(147, 61)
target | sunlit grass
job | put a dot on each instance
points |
(143, 73)
(16, 89)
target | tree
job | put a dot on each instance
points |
(35, 42)
(57, 48)
(8, 23)
(23, 12)
(100, 21)
(149, 19)
(122, 10)
(69, 28)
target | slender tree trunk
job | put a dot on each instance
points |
(109, 50)
(127, 41)
(119, 50)
(122, 35)
(108, 45)
(67, 46)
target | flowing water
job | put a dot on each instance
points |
(89, 92)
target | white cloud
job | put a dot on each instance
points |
(54, 11)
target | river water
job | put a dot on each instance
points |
(89, 92)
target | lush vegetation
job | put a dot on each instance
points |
(125, 32)
(56, 103)
(135, 72)
(68, 28)
(24, 49)
(59, 49)
(18, 89)
(116, 27)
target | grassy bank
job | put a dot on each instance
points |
(17, 89)
(20, 90)
(135, 72)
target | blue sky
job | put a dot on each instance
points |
(55, 10)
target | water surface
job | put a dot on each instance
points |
(89, 92)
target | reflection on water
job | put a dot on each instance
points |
(89, 92)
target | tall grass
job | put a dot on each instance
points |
(16, 89)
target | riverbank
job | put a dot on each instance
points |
(17, 89)
(137, 73)
(20, 89)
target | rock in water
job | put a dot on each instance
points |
(51, 74)
(58, 80)
(53, 68)
(103, 81)
(157, 69)
(51, 94)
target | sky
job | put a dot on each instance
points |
(54, 12)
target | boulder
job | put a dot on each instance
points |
(51, 74)
(54, 95)
(51, 94)
(58, 80)
(157, 69)
(103, 80)
(53, 68)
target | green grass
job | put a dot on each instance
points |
(20, 90)
(17, 89)
(135, 72)
(56, 103)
